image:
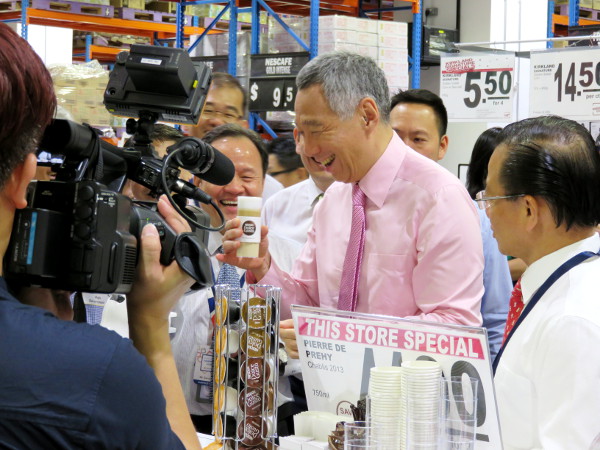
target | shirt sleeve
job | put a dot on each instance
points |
(498, 287)
(447, 279)
(301, 288)
(130, 410)
(567, 384)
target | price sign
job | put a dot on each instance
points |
(565, 82)
(338, 349)
(478, 88)
(272, 94)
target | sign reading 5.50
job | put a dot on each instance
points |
(496, 88)
(566, 82)
(478, 88)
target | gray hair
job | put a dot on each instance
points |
(346, 78)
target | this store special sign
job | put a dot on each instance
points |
(337, 350)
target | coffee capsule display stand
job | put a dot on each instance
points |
(245, 366)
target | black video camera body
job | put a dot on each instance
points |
(79, 233)
(80, 236)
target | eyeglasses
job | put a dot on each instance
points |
(485, 202)
(281, 172)
(213, 114)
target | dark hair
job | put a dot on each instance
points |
(27, 101)
(234, 130)
(554, 158)
(284, 148)
(225, 80)
(427, 98)
(480, 157)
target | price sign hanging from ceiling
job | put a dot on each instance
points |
(566, 83)
(478, 88)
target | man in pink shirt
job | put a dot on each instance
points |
(421, 225)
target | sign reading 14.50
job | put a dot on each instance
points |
(496, 87)
(565, 82)
(569, 79)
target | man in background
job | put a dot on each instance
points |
(192, 323)
(227, 103)
(542, 199)
(285, 164)
(419, 117)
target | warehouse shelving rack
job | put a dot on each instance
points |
(311, 8)
(573, 18)
(155, 31)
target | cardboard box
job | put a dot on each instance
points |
(369, 39)
(392, 54)
(338, 22)
(328, 47)
(168, 7)
(337, 35)
(366, 25)
(368, 51)
(392, 28)
(391, 41)
(134, 4)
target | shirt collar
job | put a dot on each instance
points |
(314, 194)
(540, 270)
(215, 240)
(378, 180)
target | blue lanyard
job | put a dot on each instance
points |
(564, 268)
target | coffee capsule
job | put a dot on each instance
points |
(254, 342)
(251, 400)
(256, 312)
(221, 309)
(251, 431)
(255, 372)
(219, 369)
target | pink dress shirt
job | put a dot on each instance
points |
(423, 254)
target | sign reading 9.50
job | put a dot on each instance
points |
(478, 88)
(565, 83)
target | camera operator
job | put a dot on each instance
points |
(70, 385)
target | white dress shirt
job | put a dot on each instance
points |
(193, 329)
(548, 378)
(289, 212)
(271, 187)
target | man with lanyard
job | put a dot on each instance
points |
(192, 342)
(542, 199)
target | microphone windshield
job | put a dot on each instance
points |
(204, 161)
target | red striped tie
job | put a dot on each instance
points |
(514, 309)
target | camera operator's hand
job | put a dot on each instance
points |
(155, 291)
(258, 266)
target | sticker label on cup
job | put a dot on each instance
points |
(250, 229)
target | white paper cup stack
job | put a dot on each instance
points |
(420, 423)
(384, 405)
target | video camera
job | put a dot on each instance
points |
(78, 232)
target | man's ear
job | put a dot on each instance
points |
(533, 210)
(368, 110)
(16, 187)
(443, 147)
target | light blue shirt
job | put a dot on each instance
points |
(497, 284)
